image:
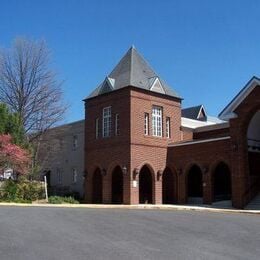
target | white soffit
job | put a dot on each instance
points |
(192, 123)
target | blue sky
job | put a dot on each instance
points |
(205, 50)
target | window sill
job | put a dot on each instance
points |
(157, 137)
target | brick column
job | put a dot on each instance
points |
(134, 191)
(88, 190)
(207, 188)
(107, 189)
(158, 188)
(182, 188)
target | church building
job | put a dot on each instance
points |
(142, 147)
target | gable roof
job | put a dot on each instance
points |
(133, 70)
(228, 112)
(194, 112)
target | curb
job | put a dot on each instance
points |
(140, 207)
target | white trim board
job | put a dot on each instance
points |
(157, 86)
(200, 141)
(228, 111)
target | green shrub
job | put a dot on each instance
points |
(62, 200)
(9, 190)
(21, 191)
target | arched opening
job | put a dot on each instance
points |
(117, 186)
(97, 187)
(145, 186)
(253, 143)
(222, 183)
(168, 187)
(195, 189)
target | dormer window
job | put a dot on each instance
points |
(156, 85)
(107, 85)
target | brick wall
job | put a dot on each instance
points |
(107, 153)
(211, 133)
(132, 148)
(149, 149)
(205, 155)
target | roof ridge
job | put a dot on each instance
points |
(131, 63)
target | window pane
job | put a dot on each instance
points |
(117, 127)
(146, 123)
(97, 128)
(168, 127)
(157, 121)
(106, 121)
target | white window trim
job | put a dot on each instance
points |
(108, 117)
(168, 127)
(74, 175)
(157, 115)
(161, 90)
(146, 123)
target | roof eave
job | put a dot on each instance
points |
(130, 86)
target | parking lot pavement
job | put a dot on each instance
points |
(72, 233)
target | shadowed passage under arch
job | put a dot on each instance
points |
(117, 186)
(97, 187)
(145, 185)
(194, 185)
(222, 182)
(168, 187)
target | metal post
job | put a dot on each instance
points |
(46, 190)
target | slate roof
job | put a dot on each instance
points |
(192, 112)
(132, 70)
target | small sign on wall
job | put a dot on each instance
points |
(134, 184)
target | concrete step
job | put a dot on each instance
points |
(254, 204)
(225, 204)
(195, 200)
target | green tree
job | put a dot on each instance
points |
(10, 123)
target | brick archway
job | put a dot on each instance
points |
(117, 185)
(168, 186)
(146, 185)
(194, 184)
(245, 185)
(97, 187)
(221, 180)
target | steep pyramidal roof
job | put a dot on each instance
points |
(133, 70)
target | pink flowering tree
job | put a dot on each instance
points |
(13, 156)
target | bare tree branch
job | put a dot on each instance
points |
(29, 87)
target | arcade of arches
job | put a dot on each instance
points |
(221, 185)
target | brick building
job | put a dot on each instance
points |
(142, 147)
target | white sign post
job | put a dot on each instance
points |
(46, 190)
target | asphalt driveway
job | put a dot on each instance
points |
(66, 233)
